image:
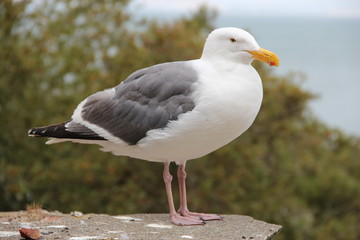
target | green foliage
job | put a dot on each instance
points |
(288, 168)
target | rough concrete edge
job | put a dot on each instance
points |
(40, 215)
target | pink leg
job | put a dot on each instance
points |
(174, 216)
(184, 211)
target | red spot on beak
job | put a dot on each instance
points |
(271, 63)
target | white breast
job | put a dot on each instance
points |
(226, 106)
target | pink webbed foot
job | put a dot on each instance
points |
(202, 216)
(177, 219)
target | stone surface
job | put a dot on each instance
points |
(56, 225)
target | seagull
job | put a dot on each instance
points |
(175, 111)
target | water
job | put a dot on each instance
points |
(326, 50)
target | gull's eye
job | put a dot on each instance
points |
(232, 40)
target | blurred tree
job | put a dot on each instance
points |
(289, 168)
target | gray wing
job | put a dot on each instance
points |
(148, 99)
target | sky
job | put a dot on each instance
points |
(266, 8)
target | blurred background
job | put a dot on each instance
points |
(297, 166)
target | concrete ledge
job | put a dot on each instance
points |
(78, 226)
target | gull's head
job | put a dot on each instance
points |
(238, 45)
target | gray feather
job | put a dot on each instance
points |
(148, 99)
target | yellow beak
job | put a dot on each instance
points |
(265, 56)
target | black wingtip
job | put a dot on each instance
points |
(47, 131)
(33, 132)
(76, 131)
